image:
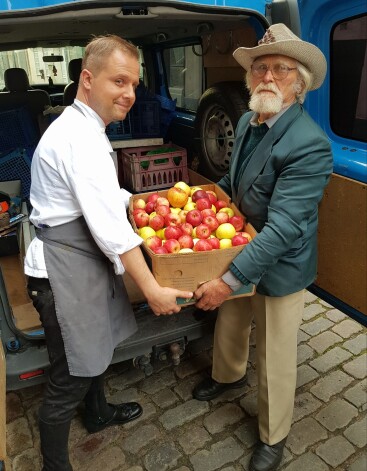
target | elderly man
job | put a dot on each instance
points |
(280, 165)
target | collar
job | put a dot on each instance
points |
(91, 115)
(270, 121)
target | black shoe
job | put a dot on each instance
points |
(267, 457)
(122, 414)
(209, 388)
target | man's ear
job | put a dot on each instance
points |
(86, 78)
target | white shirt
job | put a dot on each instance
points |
(73, 174)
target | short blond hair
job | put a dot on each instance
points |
(101, 47)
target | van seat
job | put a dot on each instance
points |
(19, 95)
(74, 69)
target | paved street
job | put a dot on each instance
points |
(179, 433)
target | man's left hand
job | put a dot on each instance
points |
(212, 294)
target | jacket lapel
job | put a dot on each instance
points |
(263, 151)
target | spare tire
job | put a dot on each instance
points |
(220, 108)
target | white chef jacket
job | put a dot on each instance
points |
(72, 175)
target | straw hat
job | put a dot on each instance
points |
(278, 39)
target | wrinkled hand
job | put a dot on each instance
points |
(212, 294)
(163, 300)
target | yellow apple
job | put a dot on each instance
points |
(183, 186)
(225, 243)
(146, 232)
(160, 233)
(189, 206)
(214, 208)
(152, 214)
(186, 250)
(175, 210)
(229, 211)
(225, 231)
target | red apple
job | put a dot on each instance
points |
(187, 228)
(141, 219)
(177, 197)
(172, 245)
(149, 207)
(237, 222)
(212, 222)
(153, 197)
(186, 241)
(139, 203)
(214, 242)
(207, 212)
(245, 234)
(203, 231)
(239, 240)
(138, 210)
(161, 200)
(172, 219)
(162, 209)
(194, 217)
(219, 204)
(203, 203)
(202, 245)
(199, 194)
(156, 222)
(173, 232)
(160, 250)
(222, 217)
(153, 242)
(212, 196)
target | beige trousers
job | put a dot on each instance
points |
(277, 322)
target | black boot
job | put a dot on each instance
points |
(99, 414)
(210, 389)
(267, 457)
(54, 446)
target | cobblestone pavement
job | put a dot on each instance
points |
(179, 433)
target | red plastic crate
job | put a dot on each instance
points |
(153, 167)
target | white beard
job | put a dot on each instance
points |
(268, 103)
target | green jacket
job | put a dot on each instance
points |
(279, 193)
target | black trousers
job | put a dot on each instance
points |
(63, 392)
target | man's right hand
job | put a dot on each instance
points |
(163, 300)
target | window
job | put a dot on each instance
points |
(38, 71)
(183, 67)
(348, 84)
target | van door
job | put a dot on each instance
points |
(339, 29)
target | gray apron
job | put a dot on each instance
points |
(92, 305)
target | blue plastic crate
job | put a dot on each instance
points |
(145, 119)
(17, 166)
(119, 130)
(17, 129)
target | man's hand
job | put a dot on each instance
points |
(212, 294)
(163, 300)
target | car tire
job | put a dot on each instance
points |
(220, 107)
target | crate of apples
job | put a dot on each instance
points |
(186, 219)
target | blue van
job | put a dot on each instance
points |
(186, 62)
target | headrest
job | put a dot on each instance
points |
(75, 67)
(16, 80)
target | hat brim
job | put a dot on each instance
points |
(305, 53)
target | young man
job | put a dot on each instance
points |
(280, 165)
(84, 244)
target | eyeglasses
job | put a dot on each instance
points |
(279, 71)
